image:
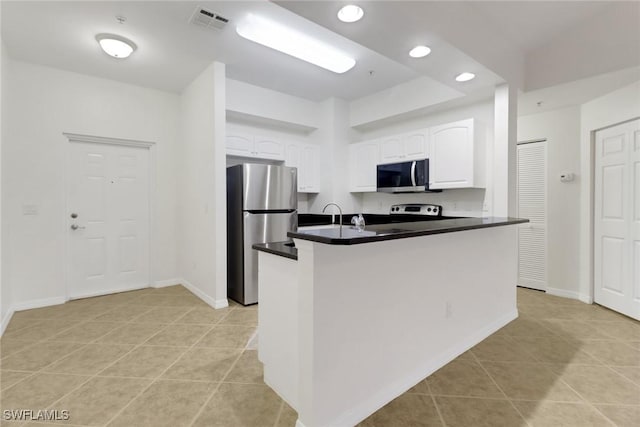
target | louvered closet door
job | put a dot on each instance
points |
(532, 204)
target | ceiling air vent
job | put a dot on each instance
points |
(208, 19)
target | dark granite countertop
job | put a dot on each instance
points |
(377, 233)
(284, 249)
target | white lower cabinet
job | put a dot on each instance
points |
(456, 156)
(363, 159)
(254, 146)
(305, 157)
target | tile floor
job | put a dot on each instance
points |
(161, 357)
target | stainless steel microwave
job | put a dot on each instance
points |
(404, 177)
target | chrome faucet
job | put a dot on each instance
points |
(339, 209)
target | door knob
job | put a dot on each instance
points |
(74, 215)
(77, 227)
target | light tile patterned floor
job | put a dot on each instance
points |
(161, 357)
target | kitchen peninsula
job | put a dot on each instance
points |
(351, 319)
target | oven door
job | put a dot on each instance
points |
(405, 177)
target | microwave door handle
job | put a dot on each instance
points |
(413, 174)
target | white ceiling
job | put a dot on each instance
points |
(171, 52)
(488, 38)
(530, 24)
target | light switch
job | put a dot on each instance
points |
(29, 209)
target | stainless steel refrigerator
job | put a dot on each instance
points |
(262, 202)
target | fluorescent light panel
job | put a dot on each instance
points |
(293, 43)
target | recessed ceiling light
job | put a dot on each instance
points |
(419, 51)
(298, 45)
(350, 13)
(465, 77)
(116, 46)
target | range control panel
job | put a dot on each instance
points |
(416, 209)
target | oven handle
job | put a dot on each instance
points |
(413, 173)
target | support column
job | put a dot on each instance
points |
(504, 151)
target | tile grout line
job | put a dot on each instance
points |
(435, 403)
(155, 379)
(85, 345)
(280, 410)
(94, 341)
(501, 390)
(233, 365)
(96, 375)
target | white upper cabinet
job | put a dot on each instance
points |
(254, 146)
(310, 171)
(404, 147)
(268, 148)
(456, 156)
(363, 159)
(305, 157)
(240, 145)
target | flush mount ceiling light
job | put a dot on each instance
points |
(419, 51)
(116, 46)
(465, 77)
(350, 13)
(298, 45)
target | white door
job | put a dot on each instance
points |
(531, 195)
(107, 218)
(617, 219)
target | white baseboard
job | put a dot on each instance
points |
(37, 303)
(587, 299)
(381, 398)
(28, 305)
(107, 292)
(168, 282)
(5, 321)
(215, 303)
(563, 293)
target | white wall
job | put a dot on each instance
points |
(608, 110)
(256, 101)
(202, 180)
(46, 102)
(334, 136)
(561, 129)
(403, 98)
(5, 288)
(459, 202)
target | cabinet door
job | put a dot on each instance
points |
(240, 145)
(267, 148)
(309, 170)
(363, 159)
(451, 158)
(391, 149)
(293, 160)
(415, 145)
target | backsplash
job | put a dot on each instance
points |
(459, 202)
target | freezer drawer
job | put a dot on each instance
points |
(257, 228)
